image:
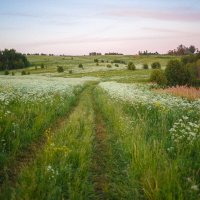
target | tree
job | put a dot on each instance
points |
(131, 66)
(10, 59)
(158, 76)
(60, 69)
(156, 65)
(176, 73)
(145, 66)
(192, 49)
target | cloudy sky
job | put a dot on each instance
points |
(78, 27)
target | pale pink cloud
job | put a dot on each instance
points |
(178, 15)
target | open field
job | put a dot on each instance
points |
(98, 134)
(89, 66)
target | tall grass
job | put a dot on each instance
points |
(23, 123)
(183, 91)
(143, 166)
(62, 169)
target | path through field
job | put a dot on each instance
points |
(75, 150)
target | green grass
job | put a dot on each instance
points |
(51, 62)
(26, 123)
(141, 165)
(62, 169)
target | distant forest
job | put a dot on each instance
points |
(10, 59)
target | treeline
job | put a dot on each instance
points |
(10, 59)
(179, 72)
(183, 50)
(106, 54)
(147, 53)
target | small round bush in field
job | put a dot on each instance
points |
(60, 69)
(97, 64)
(145, 66)
(156, 65)
(109, 66)
(102, 61)
(6, 72)
(80, 66)
(42, 66)
(23, 72)
(96, 60)
(131, 66)
(13, 73)
(116, 65)
(70, 71)
(158, 76)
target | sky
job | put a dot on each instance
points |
(77, 27)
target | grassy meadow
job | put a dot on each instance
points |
(96, 132)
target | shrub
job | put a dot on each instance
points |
(116, 65)
(158, 76)
(97, 64)
(60, 69)
(96, 60)
(13, 73)
(131, 66)
(156, 65)
(145, 66)
(176, 73)
(102, 61)
(23, 72)
(80, 66)
(6, 72)
(42, 66)
(70, 71)
(109, 66)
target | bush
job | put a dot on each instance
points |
(102, 61)
(158, 77)
(6, 72)
(70, 71)
(97, 64)
(145, 66)
(96, 60)
(131, 66)
(13, 73)
(177, 74)
(42, 66)
(116, 65)
(80, 66)
(156, 65)
(60, 69)
(109, 66)
(23, 72)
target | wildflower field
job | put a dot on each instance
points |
(97, 135)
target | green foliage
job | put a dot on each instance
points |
(97, 64)
(177, 74)
(145, 66)
(96, 60)
(80, 66)
(13, 73)
(42, 66)
(6, 72)
(10, 59)
(158, 76)
(131, 66)
(116, 65)
(70, 71)
(23, 72)
(156, 65)
(60, 69)
(108, 66)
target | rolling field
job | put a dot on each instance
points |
(96, 133)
